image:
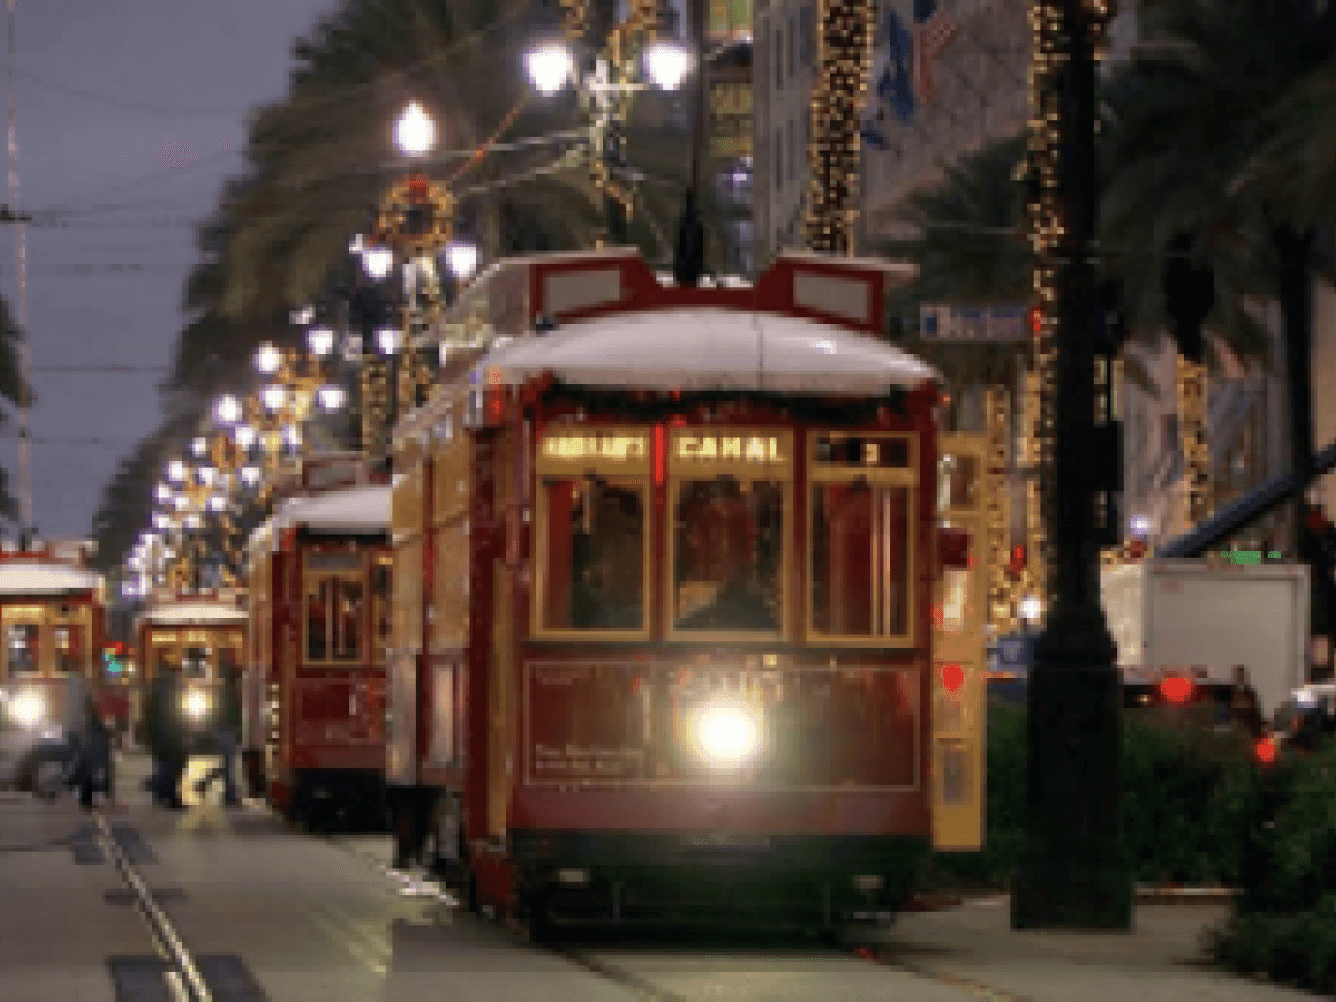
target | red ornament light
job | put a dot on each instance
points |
(953, 678)
(419, 187)
(1036, 321)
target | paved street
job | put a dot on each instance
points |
(270, 913)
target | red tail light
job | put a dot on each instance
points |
(1265, 750)
(1176, 690)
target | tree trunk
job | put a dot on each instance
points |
(1295, 253)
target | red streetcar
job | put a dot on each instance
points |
(52, 613)
(319, 575)
(665, 570)
(200, 636)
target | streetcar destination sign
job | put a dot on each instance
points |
(748, 448)
(619, 448)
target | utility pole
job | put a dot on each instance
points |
(20, 292)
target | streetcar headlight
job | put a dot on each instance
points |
(726, 734)
(28, 708)
(197, 703)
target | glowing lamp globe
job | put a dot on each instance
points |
(667, 64)
(320, 340)
(953, 678)
(387, 340)
(268, 359)
(1176, 690)
(330, 397)
(462, 258)
(273, 396)
(415, 132)
(377, 262)
(550, 67)
(228, 409)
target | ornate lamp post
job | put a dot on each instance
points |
(607, 82)
(1072, 873)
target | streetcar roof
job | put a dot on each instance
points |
(32, 577)
(703, 348)
(363, 508)
(194, 612)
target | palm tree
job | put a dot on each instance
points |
(1186, 118)
(321, 159)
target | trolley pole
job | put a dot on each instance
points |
(20, 288)
(1072, 873)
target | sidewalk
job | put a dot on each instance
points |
(1162, 960)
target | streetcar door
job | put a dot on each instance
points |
(960, 622)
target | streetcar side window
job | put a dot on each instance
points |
(860, 560)
(593, 555)
(23, 652)
(334, 614)
(728, 555)
(860, 510)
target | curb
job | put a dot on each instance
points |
(1160, 894)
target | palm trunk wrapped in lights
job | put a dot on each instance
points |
(844, 57)
(375, 395)
(1191, 383)
(1033, 579)
(997, 502)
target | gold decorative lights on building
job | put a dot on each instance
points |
(1191, 387)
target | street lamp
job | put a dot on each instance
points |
(415, 132)
(551, 65)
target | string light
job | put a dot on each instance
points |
(997, 507)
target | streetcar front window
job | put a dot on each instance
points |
(728, 555)
(594, 559)
(23, 648)
(69, 649)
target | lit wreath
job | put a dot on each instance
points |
(415, 192)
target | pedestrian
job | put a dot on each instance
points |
(1245, 706)
(166, 737)
(95, 770)
(224, 739)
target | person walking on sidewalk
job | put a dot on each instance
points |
(167, 739)
(224, 739)
(95, 771)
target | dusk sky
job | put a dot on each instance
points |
(130, 115)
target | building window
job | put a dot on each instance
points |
(779, 158)
(792, 151)
(792, 46)
(807, 24)
(779, 57)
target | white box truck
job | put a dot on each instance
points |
(1195, 616)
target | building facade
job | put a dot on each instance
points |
(784, 62)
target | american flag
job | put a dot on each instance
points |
(931, 36)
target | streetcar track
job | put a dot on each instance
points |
(646, 989)
(185, 974)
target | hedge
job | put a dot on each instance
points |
(1188, 797)
(1197, 809)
